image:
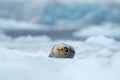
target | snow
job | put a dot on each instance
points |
(109, 30)
(100, 40)
(44, 68)
(26, 58)
(10, 24)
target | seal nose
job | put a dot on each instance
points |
(72, 51)
(70, 54)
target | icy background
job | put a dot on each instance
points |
(30, 28)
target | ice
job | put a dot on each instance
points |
(4, 38)
(28, 43)
(30, 39)
(51, 14)
(66, 1)
(10, 24)
(26, 58)
(109, 30)
(84, 13)
(30, 67)
(100, 40)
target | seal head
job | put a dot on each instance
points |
(62, 50)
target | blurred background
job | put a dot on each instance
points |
(60, 19)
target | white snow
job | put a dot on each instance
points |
(10, 24)
(100, 40)
(26, 58)
(109, 30)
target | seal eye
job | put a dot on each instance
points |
(66, 49)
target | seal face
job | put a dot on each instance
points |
(62, 50)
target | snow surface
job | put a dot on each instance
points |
(26, 58)
(10, 24)
(109, 30)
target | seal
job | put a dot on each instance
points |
(62, 50)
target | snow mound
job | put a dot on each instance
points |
(36, 68)
(100, 40)
(10, 24)
(109, 30)
(26, 58)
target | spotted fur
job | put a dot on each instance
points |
(62, 50)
